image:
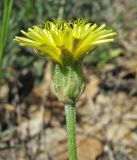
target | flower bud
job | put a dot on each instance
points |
(68, 82)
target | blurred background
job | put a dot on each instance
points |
(32, 121)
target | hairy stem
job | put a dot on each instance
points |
(70, 111)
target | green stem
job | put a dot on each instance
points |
(70, 111)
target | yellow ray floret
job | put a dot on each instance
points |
(60, 40)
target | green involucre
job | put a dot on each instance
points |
(68, 82)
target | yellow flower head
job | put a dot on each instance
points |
(65, 41)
